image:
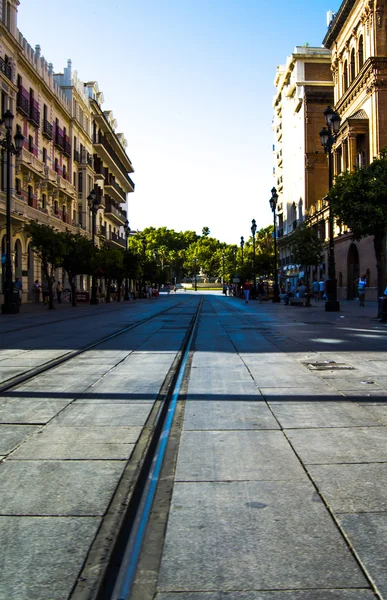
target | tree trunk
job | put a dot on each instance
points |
(380, 255)
(108, 288)
(48, 277)
(119, 284)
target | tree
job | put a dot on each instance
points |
(49, 246)
(358, 200)
(306, 246)
(206, 231)
(109, 262)
(77, 258)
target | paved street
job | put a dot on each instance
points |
(280, 478)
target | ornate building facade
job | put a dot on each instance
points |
(357, 38)
(70, 147)
(304, 88)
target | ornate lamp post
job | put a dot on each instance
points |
(93, 206)
(196, 283)
(273, 205)
(242, 246)
(223, 259)
(10, 305)
(127, 231)
(253, 230)
(328, 136)
(143, 242)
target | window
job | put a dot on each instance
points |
(4, 103)
(64, 172)
(56, 210)
(80, 181)
(75, 179)
(30, 143)
(44, 201)
(353, 65)
(345, 76)
(30, 196)
(44, 156)
(361, 52)
(56, 165)
(18, 186)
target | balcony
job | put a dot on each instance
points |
(51, 176)
(6, 69)
(23, 104)
(116, 240)
(66, 186)
(112, 188)
(102, 231)
(117, 215)
(67, 148)
(59, 141)
(108, 155)
(34, 116)
(47, 129)
(31, 161)
(77, 157)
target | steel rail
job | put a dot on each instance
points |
(126, 574)
(48, 365)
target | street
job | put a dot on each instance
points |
(274, 482)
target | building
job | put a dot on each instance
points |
(70, 147)
(357, 39)
(304, 88)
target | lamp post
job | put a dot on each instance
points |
(10, 305)
(223, 259)
(93, 206)
(328, 136)
(242, 246)
(253, 230)
(273, 205)
(196, 283)
(143, 242)
(127, 231)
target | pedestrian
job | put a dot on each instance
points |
(59, 290)
(261, 290)
(45, 292)
(36, 291)
(361, 287)
(321, 284)
(17, 286)
(246, 291)
(316, 289)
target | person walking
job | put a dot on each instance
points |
(45, 292)
(321, 284)
(36, 291)
(17, 286)
(59, 290)
(316, 289)
(246, 291)
(361, 287)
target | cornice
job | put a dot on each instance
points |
(338, 23)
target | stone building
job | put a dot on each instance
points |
(304, 88)
(357, 39)
(70, 147)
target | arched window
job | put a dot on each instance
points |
(345, 76)
(353, 66)
(361, 52)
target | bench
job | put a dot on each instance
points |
(297, 301)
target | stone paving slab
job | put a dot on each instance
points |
(71, 488)
(228, 414)
(253, 535)
(368, 535)
(104, 415)
(23, 410)
(219, 360)
(352, 488)
(236, 456)
(323, 393)
(87, 443)
(11, 436)
(353, 384)
(204, 376)
(294, 415)
(40, 555)
(224, 387)
(329, 446)
(377, 411)
(9, 372)
(284, 595)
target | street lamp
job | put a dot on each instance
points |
(143, 242)
(242, 246)
(10, 305)
(196, 284)
(127, 231)
(223, 258)
(253, 230)
(93, 202)
(328, 136)
(273, 205)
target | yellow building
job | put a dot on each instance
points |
(70, 147)
(357, 38)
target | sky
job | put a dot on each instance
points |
(190, 83)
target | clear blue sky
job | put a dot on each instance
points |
(190, 83)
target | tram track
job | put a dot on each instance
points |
(55, 362)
